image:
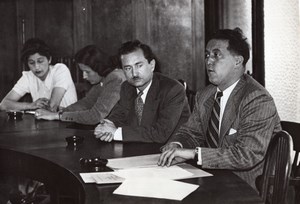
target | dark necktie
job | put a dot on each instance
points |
(139, 107)
(213, 126)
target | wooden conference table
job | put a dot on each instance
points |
(37, 149)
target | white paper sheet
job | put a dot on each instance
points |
(173, 172)
(194, 170)
(156, 188)
(101, 178)
(87, 177)
(133, 162)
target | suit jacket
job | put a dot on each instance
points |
(165, 109)
(98, 102)
(250, 110)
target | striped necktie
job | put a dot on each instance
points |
(139, 104)
(213, 126)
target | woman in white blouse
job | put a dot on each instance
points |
(50, 86)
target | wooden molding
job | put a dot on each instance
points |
(258, 45)
(198, 45)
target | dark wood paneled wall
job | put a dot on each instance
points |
(8, 46)
(53, 22)
(112, 23)
(174, 30)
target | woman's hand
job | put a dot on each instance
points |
(40, 103)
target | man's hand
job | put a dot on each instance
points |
(40, 103)
(173, 154)
(46, 115)
(105, 130)
(168, 146)
(106, 137)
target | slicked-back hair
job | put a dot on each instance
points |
(95, 58)
(237, 42)
(131, 46)
(33, 46)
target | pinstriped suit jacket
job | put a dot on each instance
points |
(250, 110)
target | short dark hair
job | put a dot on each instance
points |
(95, 58)
(131, 46)
(237, 42)
(32, 46)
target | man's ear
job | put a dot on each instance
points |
(239, 60)
(152, 63)
(50, 59)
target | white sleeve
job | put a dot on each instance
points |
(199, 162)
(22, 85)
(118, 136)
(62, 77)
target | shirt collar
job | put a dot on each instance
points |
(48, 80)
(145, 91)
(227, 92)
(224, 99)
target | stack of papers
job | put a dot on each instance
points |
(140, 176)
(133, 162)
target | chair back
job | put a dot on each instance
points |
(277, 169)
(190, 94)
(294, 130)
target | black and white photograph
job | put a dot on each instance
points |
(149, 101)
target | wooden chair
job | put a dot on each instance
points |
(70, 63)
(190, 94)
(293, 129)
(274, 183)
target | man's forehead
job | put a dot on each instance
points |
(217, 44)
(134, 54)
(133, 58)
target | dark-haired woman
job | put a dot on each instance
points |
(104, 94)
(50, 86)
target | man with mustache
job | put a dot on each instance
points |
(151, 106)
(234, 117)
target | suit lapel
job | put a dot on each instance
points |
(131, 94)
(208, 105)
(151, 102)
(231, 108)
